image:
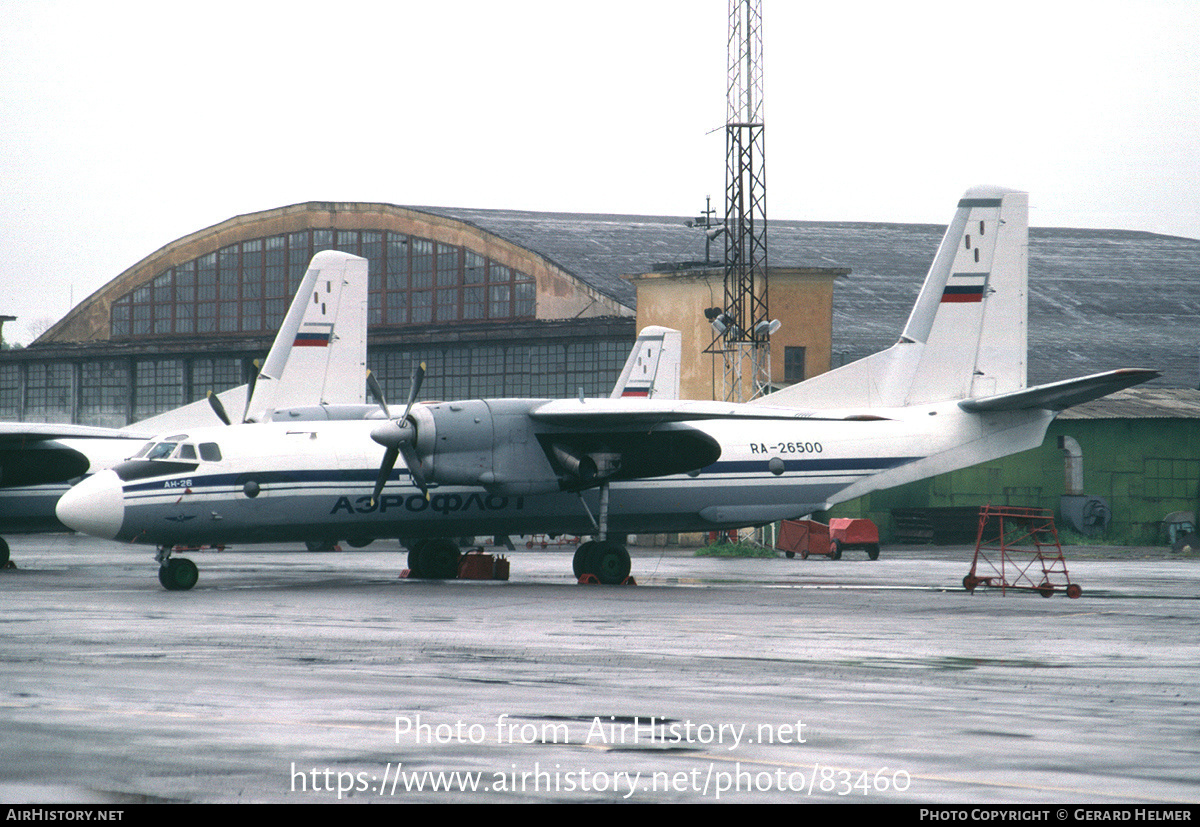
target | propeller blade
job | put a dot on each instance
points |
(385, 471)
(250, 388)
(414, 387)
(377, 393)
(398, 436)
(413, 462)
(214, 402)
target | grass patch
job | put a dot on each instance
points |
(734, 550)
(1068, 536)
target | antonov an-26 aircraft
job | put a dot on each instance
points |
(951, 393)
(321, 342)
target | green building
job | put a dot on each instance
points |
(1140, 455)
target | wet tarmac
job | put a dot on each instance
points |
(298, 677)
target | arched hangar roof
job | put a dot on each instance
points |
(299, 230)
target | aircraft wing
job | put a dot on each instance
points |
(31, 453)
(1058, 396)
(17, 434)
(606, 413)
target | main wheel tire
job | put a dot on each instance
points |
(835, 549)
(610, 562)
(439, 560)
(873, 552)
(178, 574)
(416, 559)
(579, 563)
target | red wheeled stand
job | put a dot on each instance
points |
(1017, 548)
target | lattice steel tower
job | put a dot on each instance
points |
(744, 340)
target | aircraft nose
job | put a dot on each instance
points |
(96, 506)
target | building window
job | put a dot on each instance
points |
(10, 391)
(246, 287)
(550, 371)
(159, 387)
(104, 392)
(793, 364)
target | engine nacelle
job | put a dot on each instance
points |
(497, 445)
(486, 443)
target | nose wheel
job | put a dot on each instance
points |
(176, 574)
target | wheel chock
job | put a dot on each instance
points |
(592, 580)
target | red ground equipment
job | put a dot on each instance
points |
(1019, 547)
(847, 534)
(479, 565)
(810, 537)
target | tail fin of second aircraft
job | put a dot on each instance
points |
(966, 336)
(320, 353)
(652, 370)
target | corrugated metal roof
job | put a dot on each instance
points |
(1140, 403)
(1099, 299)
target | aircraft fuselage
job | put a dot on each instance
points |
(299, 481)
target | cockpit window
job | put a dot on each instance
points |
(161, 450)
(187, 451)
(210, 452)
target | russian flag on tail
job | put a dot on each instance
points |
(314, 335)
(965, 287)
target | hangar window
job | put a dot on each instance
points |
(10, 390)
(246, 287)
(104, 389)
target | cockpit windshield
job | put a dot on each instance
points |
(174, 447)
(162, 450)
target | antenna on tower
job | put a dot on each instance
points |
(744, 327)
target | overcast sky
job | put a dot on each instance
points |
(127, 125)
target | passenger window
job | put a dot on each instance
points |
(210, 452)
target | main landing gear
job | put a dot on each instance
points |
(435, 559)
(605, 560)
(177, 574)
(601, 560)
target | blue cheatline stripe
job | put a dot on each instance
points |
(757, 466)
(298, 477)
(979, 202)
(366, 477)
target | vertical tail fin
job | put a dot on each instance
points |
(320, 353)
(966, 335)
(652, 370)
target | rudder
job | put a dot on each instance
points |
(966, 335)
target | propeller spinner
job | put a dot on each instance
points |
(399, 436)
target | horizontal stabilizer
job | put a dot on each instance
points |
(1058, 396)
